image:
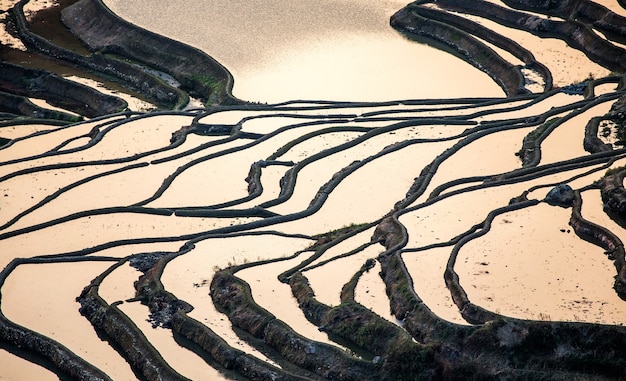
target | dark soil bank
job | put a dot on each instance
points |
(104, 32)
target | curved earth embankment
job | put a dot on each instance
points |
(103, 31)
(59, 92)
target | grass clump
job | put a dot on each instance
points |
(334, 234)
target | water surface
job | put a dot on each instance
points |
(340, 50)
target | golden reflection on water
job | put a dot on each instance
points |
(362, 68)
(341, 50)
(557, 277)
(30, 298)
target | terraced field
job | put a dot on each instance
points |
(469, 238)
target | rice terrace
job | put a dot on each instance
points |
(333, 190)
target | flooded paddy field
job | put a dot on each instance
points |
(457, 223)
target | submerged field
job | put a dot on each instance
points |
(458, 238)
